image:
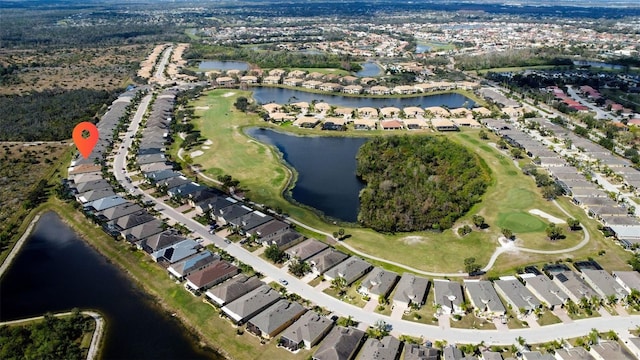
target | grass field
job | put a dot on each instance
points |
(505, 204)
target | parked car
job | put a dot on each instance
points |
(283, 282)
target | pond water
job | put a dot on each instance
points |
(369, 69)
(264, 95)
(223, 65)
(57, 271)
(326, 169)
(421, 48)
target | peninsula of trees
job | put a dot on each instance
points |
(417, 183)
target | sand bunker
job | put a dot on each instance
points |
(231, 93)
(196, 153)
(208, 142)
(544, 215)
(206, 147)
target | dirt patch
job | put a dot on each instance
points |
(412, 240)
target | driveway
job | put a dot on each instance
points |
(562, 315)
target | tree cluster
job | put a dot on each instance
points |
(417, 182)
(53, 338)
(50, 115)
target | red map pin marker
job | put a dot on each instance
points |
(85, 144)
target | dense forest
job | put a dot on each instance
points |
(50, 115)
(519, 57)
(272, 59)
(417, 182)
(52, 338)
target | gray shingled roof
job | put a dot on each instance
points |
(411, 289)
(388, 348)
(276, 315)
(233, 289)
(340, 344)
(309, 328)
(250, 304)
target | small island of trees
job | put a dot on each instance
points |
(417, 183)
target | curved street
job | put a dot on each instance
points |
(295, 285)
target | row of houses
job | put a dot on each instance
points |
(596, 202)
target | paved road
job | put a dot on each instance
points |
(295, 285)
(97, 334)
(161, 66)
(600, 113)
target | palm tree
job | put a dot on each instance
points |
(521, 341)
(611, 300)
(340, 284)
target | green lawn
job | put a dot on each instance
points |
(506, 202)
(470, 321)
(548, 318)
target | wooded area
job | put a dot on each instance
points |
(51, 338)
(50, 115)
(417, 183)
(272, 59)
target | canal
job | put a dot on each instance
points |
(57, 271)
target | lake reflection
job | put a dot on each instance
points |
(326, 169)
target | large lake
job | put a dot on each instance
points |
(326, 169)
(223, 65)
(57, 271)
(266, 95)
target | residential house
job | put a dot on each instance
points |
(272, 107)
(228, 291)
(249, 79)
(251, 304)
(367, 112)
(232, 212)
(118, 211)
(387, 348)
(201, 195)
(249, 221)
(156, 244)
(420, 352)
(415, 124)
(297, 73)
(545, 289)
(184, 190)
(404, 90)
(216, 205)
(516, 295)
(326, 260)
(225, 81)
(629, 280)
(91, 185)
(390, 125)
(573, 285)
(94, 195)
(390, 111)
(536, 355)
(311, 84)
(341, 344)
(350, 270)
(292, 81)
(178, 251)
(348, 79)
(322, 107)
(275, 318)
(217, 272)
(609, 350)
(345, 112)
(574, 353)
(411, 290)
(151, 158)
(80, 178)
(305, 249)
(379, 90)
(306, 332)
(192, 264)
(105, 203)
(413, 111)
(143, 231)
(84, 168)
(484, 298)
(437, 111)
(364, 124)
(269, 230)
(448, 296)
(442, 124)
(331, 87)
(170, 183)
(378, 283)
(352, 89)
(128, 221)
(284, 240)
(451, 352)
(604, 284)
(277, 72)
(491, 355)
(633, 344)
